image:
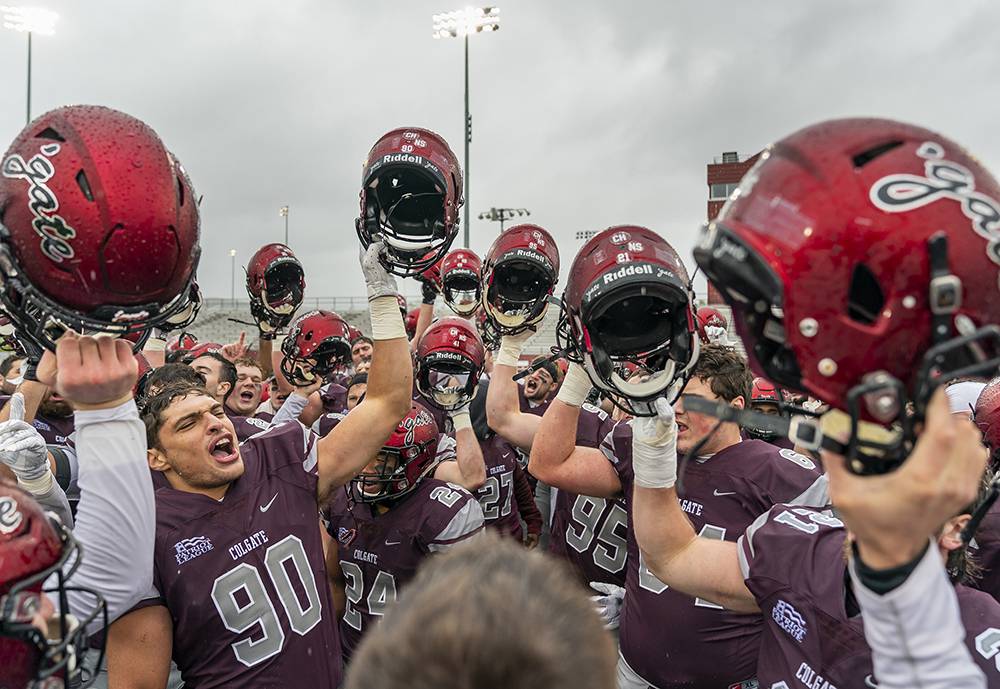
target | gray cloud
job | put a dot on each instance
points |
(589, 113)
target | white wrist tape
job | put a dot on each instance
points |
(654, 451)
(387, 323)
(38, 486)
(155, 344)
(461, 419)
(575, 387)
(510, 352)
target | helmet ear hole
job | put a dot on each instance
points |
(865, 298)
(81, 181)
(50, 133)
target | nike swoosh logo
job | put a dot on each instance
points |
(387, 542)
(718, 494)
(870, 682)
(265, 508)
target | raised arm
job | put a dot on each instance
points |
(468, 470)
(503, 411)
(343, 453)
(555, 457)
(672, 551)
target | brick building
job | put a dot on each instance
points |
(724, 174)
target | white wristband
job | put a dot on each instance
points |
(461, 419)
(155, 344)
(654, 467)
(510, 352)
(575, 387)
(37, 486)
(387, 323)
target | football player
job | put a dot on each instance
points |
(392, 515)
(628, 296)
(909, 303)
(237, 530)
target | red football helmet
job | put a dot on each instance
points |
(184, 342)
(411, 323)
(100, 227)
(432, 273)
(450, 361)
(460, 284)
(987, 414)
(318, 343)
(712, 326)
(145, 371)
(764, 392)
(861, 260)
(276, 284)
(519, 273)
(411, 190)
(202, 349)
(34, 546)
(628, 299)
(408, 456)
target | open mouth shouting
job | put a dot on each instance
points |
(223, 449)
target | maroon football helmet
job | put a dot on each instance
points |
(411, 323)
(987, 414)
(276, 284)
(519, 273)
(411, 190)
(318, 343)
(34, 546)
(431, 275)
(99, 227)
(861, 260)
(184, 342)
(408, 456)
(450, 361)
(764, 392)
(460, 283)
(628, 299)
(712, 325)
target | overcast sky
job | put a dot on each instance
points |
(588, 113)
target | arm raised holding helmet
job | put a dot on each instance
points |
(351, 445)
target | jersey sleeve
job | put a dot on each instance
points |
(593, 426)
(115, 521)
(791, 478)
(931, 654)
(790, 546)
(447, 448)
(454, 515)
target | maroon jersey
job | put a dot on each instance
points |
(497, 496)
(244, 578)
(333, 397)
(704, 645)
(536, 408)
(793, 562)
(326, 423)
(985, 548)
(246, 426)
(379, 553)
(792, 559)
(591, 533)
(55, 429)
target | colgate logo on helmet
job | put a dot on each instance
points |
(48, 225)
(943, 179)
(10, 516)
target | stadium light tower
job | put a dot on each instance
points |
(502, 215)
(232, 276)
(283, 212)
(462, 23)
(29, 20)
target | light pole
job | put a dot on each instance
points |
(283, 212)
(463, 23)
(232, 276)
(29, 20)
(502, 215)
